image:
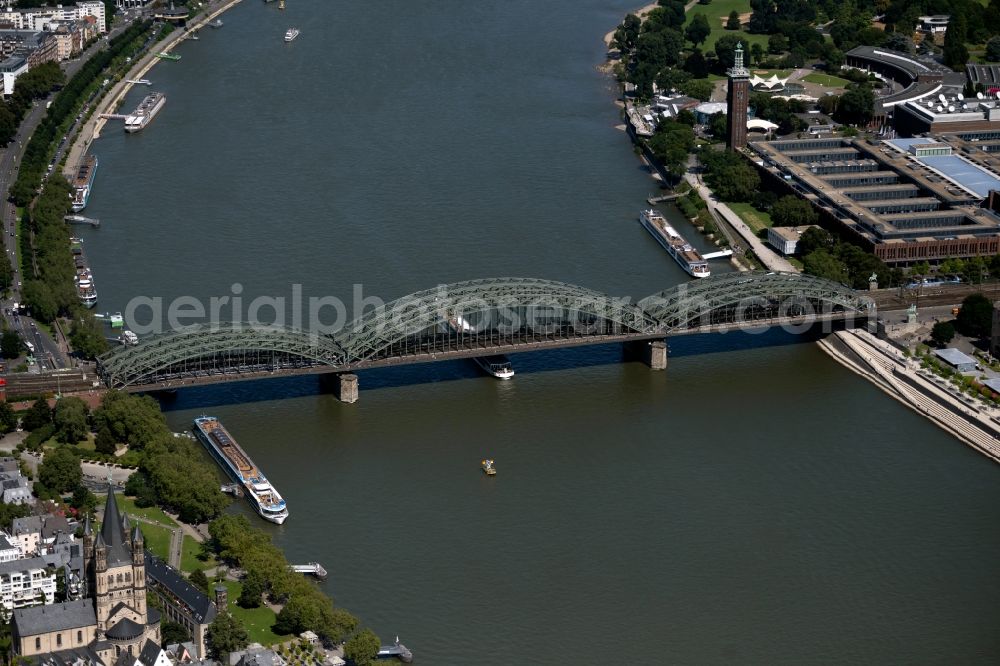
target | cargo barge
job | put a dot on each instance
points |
(83, 183)
(266, 501)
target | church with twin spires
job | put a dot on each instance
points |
(112, 623)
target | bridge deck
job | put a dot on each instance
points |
(229, 375)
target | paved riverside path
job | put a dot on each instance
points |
(771, 259)
(905, 380)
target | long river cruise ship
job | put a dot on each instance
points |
(83, 183)
(83, 278)
(260, 493)
(683, 252)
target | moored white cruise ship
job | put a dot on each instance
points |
(260, 493)
(683, 252)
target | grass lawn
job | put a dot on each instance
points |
(754, 218)
(717, 13)
(825, 80)
(127, 505)
(258, 621)
(189, 556)
(157, 540)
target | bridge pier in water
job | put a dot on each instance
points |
(651, 352)
(346, 387)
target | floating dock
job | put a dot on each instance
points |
(397, 650)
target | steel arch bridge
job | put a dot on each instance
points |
(476, 318)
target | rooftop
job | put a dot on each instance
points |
(163, 574)
(954, 168)
(791, 233)
(954, 357)
(55, 617)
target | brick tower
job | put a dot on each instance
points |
(736, 101)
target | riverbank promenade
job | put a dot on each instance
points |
(919, 389)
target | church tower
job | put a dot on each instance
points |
(737, 101)
(119, 583)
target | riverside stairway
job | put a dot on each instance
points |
(884, 365)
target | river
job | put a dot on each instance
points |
(756, 503)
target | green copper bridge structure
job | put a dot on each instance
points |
(480, 318)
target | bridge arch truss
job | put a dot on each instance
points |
(475, 318)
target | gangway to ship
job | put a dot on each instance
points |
(113, 116)
(80, 219)
(718, 255)
(311, 569)
(232, 489)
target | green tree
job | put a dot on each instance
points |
(736, 183)
(856, 105)
(133, 420)
(8, 512)
(340, 625)
(975, 318)
(84, 501)
(725, 49)
(6, 270)
(777, 44)
(10, 344)
(942, 333)
(993, 49)
(38, 415)
(920, 269)
(696, 65)
(955, 54)
(8, 419)
(698, 88)
(199, 580)
(105, 442)
(823, 264)
(627, 33)
(362, 647)
(733, 22)
(172, 633)
(70, 419)
(226, 634)
(87, 337)
(40, 300)
(698, 30)
(301, 613)
(952, 266)
(671, 145)
(138, 487)
(717, 126)
(791, 211)
(686, 116)
(254, 586)
(898, 41)
(974, 270)
(60, 470)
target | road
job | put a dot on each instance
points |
(50, 354)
